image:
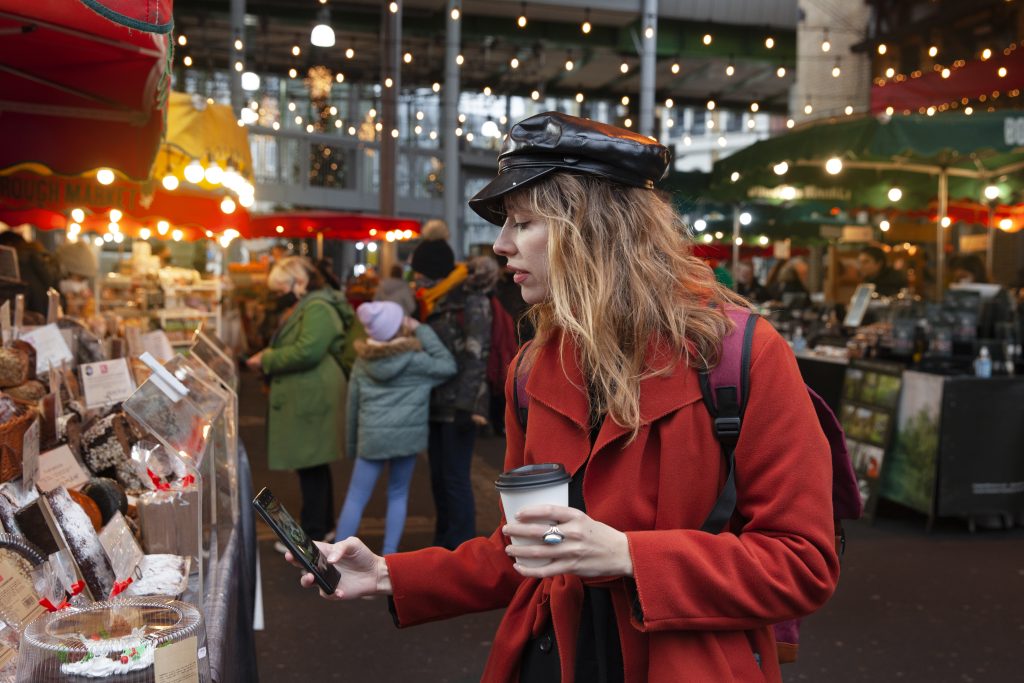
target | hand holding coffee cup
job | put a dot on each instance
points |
(530, 485)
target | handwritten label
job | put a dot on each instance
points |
(30, 456)
(18, 598)
(121, 547)
(106, 382)
(59, 467)
(51, 349)
(158, 345)
(177, 662)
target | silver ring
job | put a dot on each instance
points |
(553, 536)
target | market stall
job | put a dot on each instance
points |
(121, 478)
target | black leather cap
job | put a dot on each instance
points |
(549, 142)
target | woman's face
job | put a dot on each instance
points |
(524, 242)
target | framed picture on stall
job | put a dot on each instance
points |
(859, 305)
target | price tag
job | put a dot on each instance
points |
(18, 597)
(59, 467)
(7, 655)
(5, 322)
(121, 547)
(53, 311)
(30, 456)
(106, 382)
(177, 662)
(158, 345)
(51, 349)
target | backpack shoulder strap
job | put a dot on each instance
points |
(519, 397)
(725, 389)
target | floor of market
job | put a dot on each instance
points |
(911, 606)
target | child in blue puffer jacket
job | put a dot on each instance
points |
(388, 408)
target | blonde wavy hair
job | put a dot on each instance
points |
(622, 274)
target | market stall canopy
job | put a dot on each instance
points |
(79, 92)
(204, 134)
(896, 163)
(332, 225)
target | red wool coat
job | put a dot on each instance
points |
(706, 601)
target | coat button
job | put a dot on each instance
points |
(545, 644)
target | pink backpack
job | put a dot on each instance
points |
(725, 390)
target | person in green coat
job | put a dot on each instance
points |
(305, 367)
(388, 407)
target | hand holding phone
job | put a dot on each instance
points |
(297, 541)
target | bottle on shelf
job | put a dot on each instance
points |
(983, 363)
(799, 342)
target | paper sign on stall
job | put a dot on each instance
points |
(51, 349)
(106, 382)
(158, 345)
(60, 467)
(177, 662)
(122, 549)
(5, 322)
(30, 456)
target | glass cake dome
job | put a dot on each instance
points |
(127, 641)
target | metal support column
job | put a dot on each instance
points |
(990, 238)
(237, 32)
(391, 61)
(449, 122)
(940, 234)
(648, 64)
(735, 242)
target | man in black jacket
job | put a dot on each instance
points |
(874, 269)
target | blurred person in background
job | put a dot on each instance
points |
(875, 269)
(747, 285)
(395, 288)
(304, 365)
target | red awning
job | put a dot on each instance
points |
(47, 200)
(332, 224)
(79, 92)
(976, 80)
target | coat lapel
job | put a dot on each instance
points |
(557, 381)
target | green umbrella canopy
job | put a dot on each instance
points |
(879, 153)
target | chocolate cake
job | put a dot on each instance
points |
(83, 543)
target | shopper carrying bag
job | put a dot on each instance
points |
(388, 405)
(630, 587)
(304, 367)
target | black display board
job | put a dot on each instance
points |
(981, 452)
(871, 393)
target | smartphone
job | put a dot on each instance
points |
(296, 540)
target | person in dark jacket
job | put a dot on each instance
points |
(875, 270)
(388, 404)
(454, 303)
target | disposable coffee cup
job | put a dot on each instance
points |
(540, 484)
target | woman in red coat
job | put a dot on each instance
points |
(625, 317)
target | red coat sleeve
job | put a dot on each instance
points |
(435, 583)
(782, 562)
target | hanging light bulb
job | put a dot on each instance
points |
(521, 21)
(116, 215)
(836, 71)
(104, 176)
(985, 54)
(669, 103)
(991, 192)
(322, 34)
(849, 110)
(227, 205)
(77, 215)
(579, 98)
(933, 51)
(182, 40)
(569, 64)
(754, 106)
(145, 233)
(1006, 224)
(187, 61)
(675, 67)
(895, 194)
(711, 105)
(769, 42)
(162, 227)
(625, 100)
(292, 73)
(882, 49)
(296, 50)
(628, 123)
(781, 72)
(826, 44)
(706, 39)
(585, 26)
(214, 174)
(781, 168)
(890, 72)
(834, 166)
(884, 225)
(194, 172)
(177, 235)
(624, 68)
(730, 69)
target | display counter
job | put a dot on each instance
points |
(945, 446)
